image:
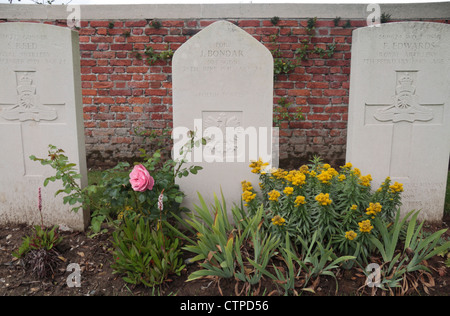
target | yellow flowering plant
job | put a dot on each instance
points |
(319, 197)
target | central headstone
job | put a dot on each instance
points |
(223, 91)
(40, 104)
(399, 111)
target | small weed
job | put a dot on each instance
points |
(275, 20)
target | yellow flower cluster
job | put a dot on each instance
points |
(258, 166)
(396, 187)
(324, 199)
(296, 177)
(356, 172)
(326, 175)
(350, 235)
(274, 195)
(248, 196)
(246, 186)
(365, 226)
(365, 180)
(304, 169)
(279, 173)
(348, 165)
(373, 209)
(354, 207)
(288, 190)
(299, 200)
(278, 221)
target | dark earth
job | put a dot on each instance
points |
(94, 256)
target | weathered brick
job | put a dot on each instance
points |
(101, 39)
(249, 23)
(137, 69)
(102, 70)
(172, 23)
(319, 101)
(104, 100)
(158, 92)
(120, 62)
(127, 47)
(99, 23)
(88, 47)
(121, 92)
(318, 117)
(90, 92)
(334, 92)
(138, 39)
(117, 108)
(299, 92)
(175, 39)
(317, 85)
(140, 23)
(139, 100)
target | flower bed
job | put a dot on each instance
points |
(301, 228)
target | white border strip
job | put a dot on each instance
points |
(435, 10)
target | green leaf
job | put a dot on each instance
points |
(96, 223)
(443, 248)
(141, 197)
(178, 199)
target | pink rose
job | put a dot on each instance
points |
(141, 179)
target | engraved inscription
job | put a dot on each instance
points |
(221, 50)
(27, 49)
(407, 48)
(222, 53)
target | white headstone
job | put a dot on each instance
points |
(40, 104)
(223, 81)
(399, 111)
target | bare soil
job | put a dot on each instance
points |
(94, 256)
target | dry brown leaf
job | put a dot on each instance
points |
(218, 286)
(272, 293)
(210, 255)
(442, 271)
(430, 282)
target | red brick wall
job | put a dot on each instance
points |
(121, 92)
